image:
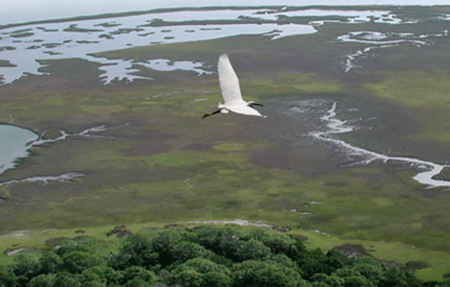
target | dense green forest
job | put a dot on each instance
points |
(201, 256)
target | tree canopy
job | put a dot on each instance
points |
(222, 256)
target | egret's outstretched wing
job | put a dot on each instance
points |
(229, 82)
(244, 109)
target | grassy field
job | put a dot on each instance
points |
(159, 162)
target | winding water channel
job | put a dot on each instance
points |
(16, 142)
(336, 126)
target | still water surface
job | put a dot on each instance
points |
(24, 48)
(14, 143)
(32, 10)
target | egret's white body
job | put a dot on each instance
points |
(229, 84)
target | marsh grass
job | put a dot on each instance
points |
(427, 95)
(380, 249)
(160, 162)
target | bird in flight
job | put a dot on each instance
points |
(229, 84)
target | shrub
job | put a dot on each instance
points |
(137, 283)
(352, 277)
(208, 236)
(251, 249)
(224, 241)
(394, 277)
(184, 251)
(257, 273)
(346, 272)
(369, 271)
(112, 276)
(336, 259)
(368, 260)
(359, 281)
(95, 273)
(221, 260)
(217, 279)
(313, 266)
(330, 280)
(137, 251)
(138, 272)
(283, 260)
(297, 252)
(189, 277)
(446, 283)
(201, 272)
(25, 267)
(165, 240)
(63, 279)
(318, 262)
(277, 242)
(43, 280)
(77, 261)
(50, 262)
(7, 277)
(203, 266)
(96, 283)
(84, 243)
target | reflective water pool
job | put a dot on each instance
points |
(22, 47)
(14, 143)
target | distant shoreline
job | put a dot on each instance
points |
(165, 10)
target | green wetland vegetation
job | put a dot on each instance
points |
(200, 256)
(158, 162)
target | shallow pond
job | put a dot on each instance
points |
(14, 143)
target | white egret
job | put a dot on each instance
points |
(229, 84)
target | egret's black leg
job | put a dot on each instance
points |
(207, 115)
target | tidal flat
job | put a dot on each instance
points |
(157, 160)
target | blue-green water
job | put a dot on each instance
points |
(14, 143)
(32, 10)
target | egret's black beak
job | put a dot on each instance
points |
(256, 104)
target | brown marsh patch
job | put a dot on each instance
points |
(144, 149)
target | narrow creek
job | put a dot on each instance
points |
(335, 126)
(16, 142)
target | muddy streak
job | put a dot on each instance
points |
(67, 177)
(241, 222)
